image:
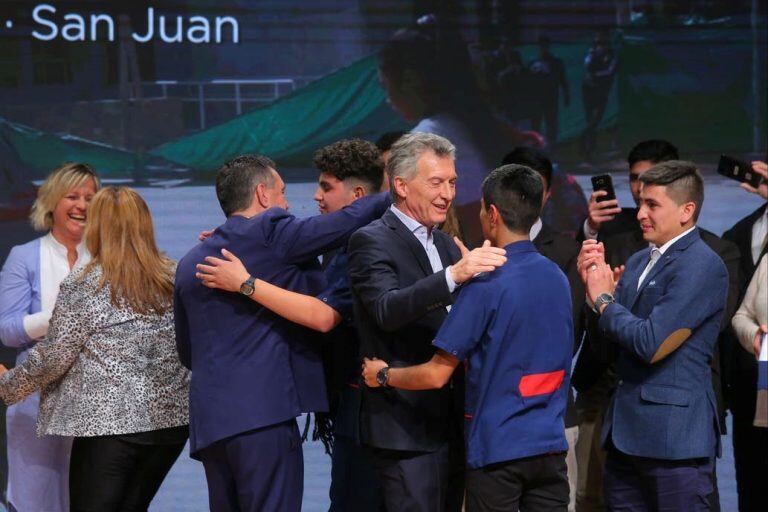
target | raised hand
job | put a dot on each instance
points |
(599, 280)
(592, 253)
(760, 168)
(482, 259)
(601, 211)
(224, 274)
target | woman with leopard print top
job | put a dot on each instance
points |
(108, 370)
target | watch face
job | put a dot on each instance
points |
(381, 377)
(246, 288)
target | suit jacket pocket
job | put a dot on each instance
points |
(668, 395)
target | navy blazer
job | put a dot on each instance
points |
(250, 367)
(399, 304)
(666, 410)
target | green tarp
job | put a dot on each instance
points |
(347, 103)
(43, 152)
(694, 91)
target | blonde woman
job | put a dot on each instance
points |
(108, 368)
(29, 283)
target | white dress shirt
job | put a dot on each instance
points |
(425, 238)
(535, 229)
(54, 267)
(658, 252)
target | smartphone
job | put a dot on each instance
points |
(737, 170)
(603, 182)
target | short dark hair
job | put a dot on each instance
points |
(238, 178)
(516, 191)
(352, 159)
(386, 140)
(682, 179)
(533, 158)
(654, 151)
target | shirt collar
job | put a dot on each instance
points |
(535, 229)
(412, 224)
(669, 244)
(61, 248)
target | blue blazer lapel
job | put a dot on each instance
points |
(396, 225)
(632, 275)
(668, 257)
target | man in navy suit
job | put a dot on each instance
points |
(254, 372)
(403, 272)
(661, 429)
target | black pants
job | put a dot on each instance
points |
(532, 484)
(107, 473)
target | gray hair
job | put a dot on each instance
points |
(405, 154)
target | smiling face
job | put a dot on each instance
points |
(332, 194)
(70, 216)
(428, 195)
(661, 218)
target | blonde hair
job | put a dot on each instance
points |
(57, 185)
(121, 239)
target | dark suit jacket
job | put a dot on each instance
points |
(399, 304)
(742, 365)
(665, 409)
(563, 251)
(250, 367)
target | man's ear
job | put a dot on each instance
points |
(260, 195)
(545, 197)
(687, 212)
(401, 187)
(359, 191)
(493, 215)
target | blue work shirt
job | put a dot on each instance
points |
(514, 330)
(337, 294)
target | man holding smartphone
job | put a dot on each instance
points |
(606, 217)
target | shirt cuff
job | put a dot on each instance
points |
(449, 280)
(589, 233)
(36, 324)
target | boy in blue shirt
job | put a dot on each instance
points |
(513, 329)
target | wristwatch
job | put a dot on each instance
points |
(247, 287)
(603, 298)
(382, 377)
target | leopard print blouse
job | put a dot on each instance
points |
(103, 370)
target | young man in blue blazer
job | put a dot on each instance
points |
(661, 431)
